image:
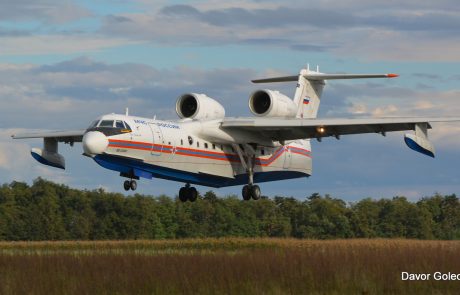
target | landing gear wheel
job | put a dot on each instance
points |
(255, 192)
(127, 185)
(246, 193)
(192, 194)
(133, 185)
(183, 192)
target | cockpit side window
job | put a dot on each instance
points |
(119, 124)
(127, 126)
(106, 123)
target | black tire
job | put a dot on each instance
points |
(193, 194)
(127, 185)
(246, 192)
(133, 185)
(183, 192)
(255, 192)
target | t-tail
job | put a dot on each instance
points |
(310, 86)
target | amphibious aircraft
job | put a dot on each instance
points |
(206, 148)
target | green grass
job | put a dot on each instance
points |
(226, 266)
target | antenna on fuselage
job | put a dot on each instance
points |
(127, 112)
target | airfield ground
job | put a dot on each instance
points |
(227, 266)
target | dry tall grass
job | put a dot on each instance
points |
(227, 266)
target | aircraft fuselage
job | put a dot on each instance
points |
(196, 152)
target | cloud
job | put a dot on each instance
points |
(405, 32)
(381, 31)
(57, 44)
(54, 11)
(281, 16)
(12, 154)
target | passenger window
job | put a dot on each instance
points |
(197, 144)
(119, 124)
(106, 123)
(181, 142)
(213, 146)
(262, 152)
(205, 145)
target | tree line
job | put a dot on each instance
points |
(49, 211)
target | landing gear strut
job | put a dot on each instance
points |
(188, 193)
(130, 185)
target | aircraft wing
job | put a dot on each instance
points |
(49, 154)
(280, 129)
(65, 136)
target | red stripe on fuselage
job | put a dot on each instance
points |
(228, 157)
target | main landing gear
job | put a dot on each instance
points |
(247, 158)
(130, 185)
(251, 191)
(188, 193)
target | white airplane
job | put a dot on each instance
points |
(206, 148)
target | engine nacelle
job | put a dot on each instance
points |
(269, 103)
(198, 106)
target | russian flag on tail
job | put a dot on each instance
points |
(306, 100)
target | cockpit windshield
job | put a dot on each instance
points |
(119, 124)
(106, 123)
(110, 126)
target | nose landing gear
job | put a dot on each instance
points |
(130, 185)
(188, 193)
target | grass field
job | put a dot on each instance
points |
(227, 266)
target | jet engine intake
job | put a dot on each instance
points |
(199, 106)
(269, 103)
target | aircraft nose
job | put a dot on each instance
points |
(94, 143)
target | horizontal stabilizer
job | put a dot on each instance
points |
(277, 79)
(320, 76)
(316, 76)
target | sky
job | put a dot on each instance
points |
(65, 62)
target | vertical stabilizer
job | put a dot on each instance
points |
(307, 95)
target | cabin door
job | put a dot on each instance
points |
(157, 140)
